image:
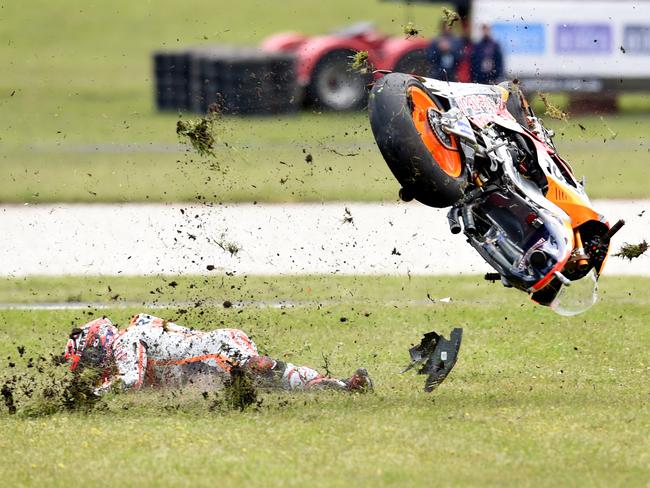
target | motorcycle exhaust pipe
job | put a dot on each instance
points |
(452, 218)
(468, 219)
(538, 259)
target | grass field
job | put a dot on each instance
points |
(77, 121)
(535, 399)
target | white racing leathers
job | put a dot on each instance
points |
(153, 351)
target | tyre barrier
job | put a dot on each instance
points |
(239, 80)
(171, 71)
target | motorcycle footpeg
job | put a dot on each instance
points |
(492, 277)
(615, 228)
(435, 357)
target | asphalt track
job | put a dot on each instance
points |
(328, 238)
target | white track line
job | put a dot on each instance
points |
(145, 239)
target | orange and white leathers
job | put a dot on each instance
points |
(151, 350)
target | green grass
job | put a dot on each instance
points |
(535, 399)
(63, 95)
(265, 162)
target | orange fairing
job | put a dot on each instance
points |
(577, 207)
(448, 159)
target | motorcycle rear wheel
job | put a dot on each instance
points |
(429, 169)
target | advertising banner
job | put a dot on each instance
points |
(585, 45)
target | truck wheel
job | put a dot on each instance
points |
(427, 164)
(335, 86)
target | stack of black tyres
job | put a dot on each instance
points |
(171, 71)
(237, 80)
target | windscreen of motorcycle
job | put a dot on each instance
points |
(578, 297)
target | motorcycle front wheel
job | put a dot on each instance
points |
(428, 165)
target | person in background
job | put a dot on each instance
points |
(444, 54)
(464, 68)
(487, 59)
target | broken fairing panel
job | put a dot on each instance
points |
(435, 356)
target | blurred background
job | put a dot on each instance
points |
(83, 116)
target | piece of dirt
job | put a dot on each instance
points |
(339, 153)
(410, 30)
(57, 391)
(199, 133)
(632, 251)
(347, 216)
(450, 16)
(8, 397)
(612, 133)
(360, 63)
(239, 389)
(231, 247)
(552, 111)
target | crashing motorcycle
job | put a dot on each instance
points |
(480, 150)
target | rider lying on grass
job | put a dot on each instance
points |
(152, 351)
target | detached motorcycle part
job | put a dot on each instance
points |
(435, 356)
(398, 107)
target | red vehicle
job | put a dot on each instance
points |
(323, 62)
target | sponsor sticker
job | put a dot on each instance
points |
(584, 38)
(480, 108)
(636, 39)
(520, 37)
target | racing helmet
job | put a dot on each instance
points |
(91, 345)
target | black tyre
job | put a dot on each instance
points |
(335, 86)
(428, 168)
